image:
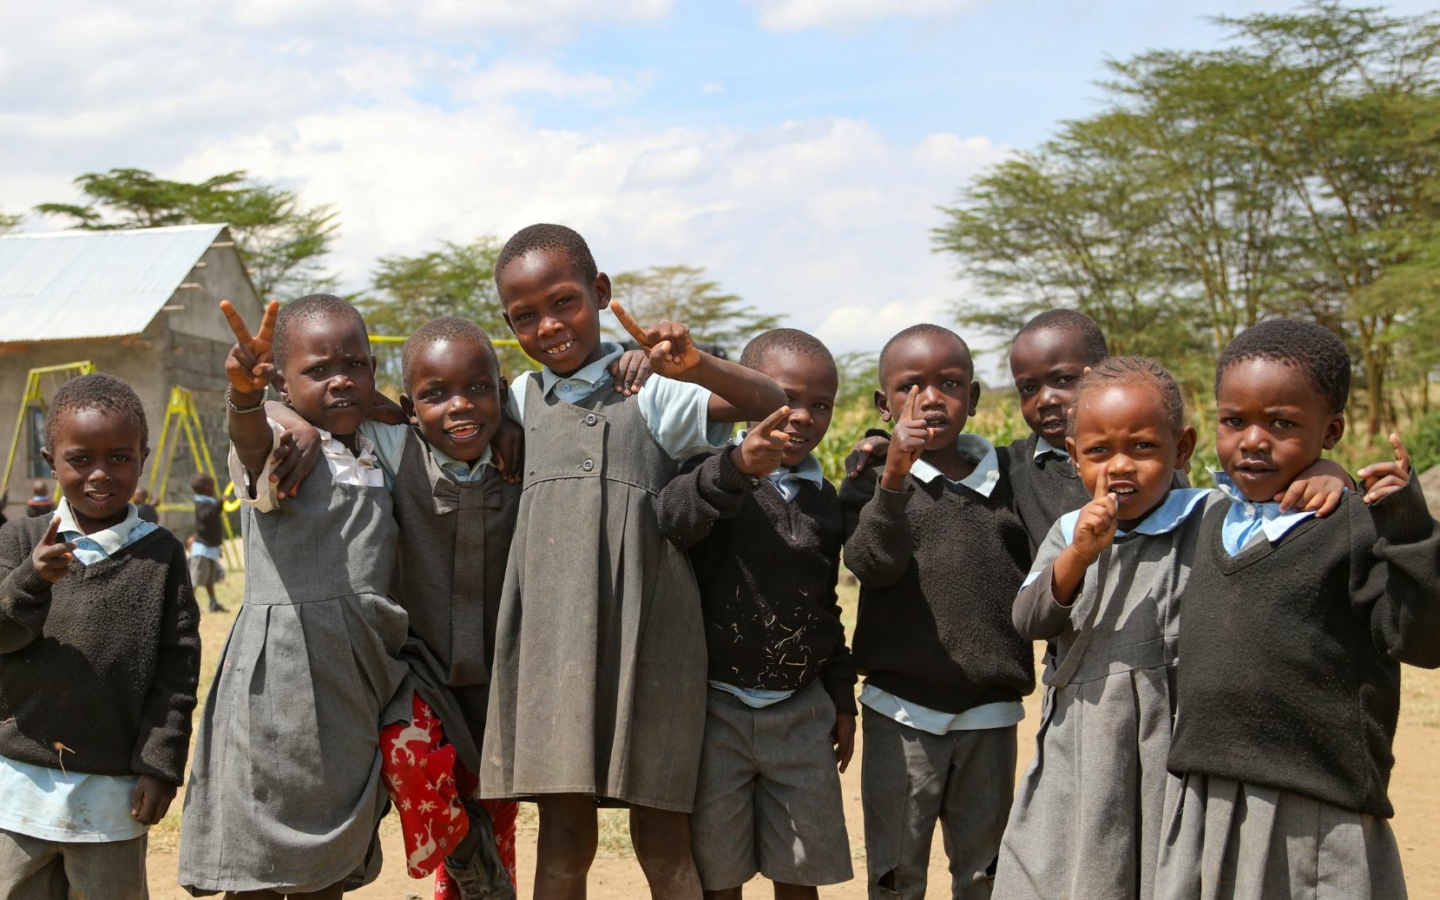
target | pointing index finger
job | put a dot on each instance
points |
(1402, 456)
(909, 411)
(630, 324)
(775, 420)
(52, 532)
(1102, 485)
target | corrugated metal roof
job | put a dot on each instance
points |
(68, 285)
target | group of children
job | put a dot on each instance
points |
(577, 590)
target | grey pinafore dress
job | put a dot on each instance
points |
(599, 676)
(285, 789)
(454, 543)
(1089, 813)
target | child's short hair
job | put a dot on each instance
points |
(445, 328)
(548, 237)
(1073, 322)
(200, 481)
(1314, 350)
(96, 391)
(1116, 370)
(923, 329)
(784, 340)
(305, 309)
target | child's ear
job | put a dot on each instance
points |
(1070, 449)
(49, 459)
(1185, 448)
(1334, 430)
(508, 324)
(408, 406)
(974, 397)
(278, 383)
(602, 289)
(882, 403)
(504, 384)
(144, 454)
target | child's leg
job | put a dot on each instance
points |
(902, 785)
(566, 846)
(662, 844)
(30, 868)
(418, 769)
(976, 806)
(106, 869)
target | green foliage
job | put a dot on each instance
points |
(1423, 442)
(683, 294)
(1294, 172)
(283, 243)
(9, 222)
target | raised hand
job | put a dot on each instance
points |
(760, 453)
(51, 557)
(672, 350)
(907, 442)
(1383, 479)
(868, 451)
(250, 365)
(1095, 529)
(631, 371)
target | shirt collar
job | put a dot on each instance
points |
(469, 470)
(1043, 447)
(364, 449)
(1273, 522)
(1163, 519)
(594, 375)
(109, 539)
(982, 479)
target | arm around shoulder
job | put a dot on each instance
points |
(164, 739)
(1406, 621)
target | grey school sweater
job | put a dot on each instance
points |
(1291, 652)
(103, 664)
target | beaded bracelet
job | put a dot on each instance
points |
(243, 410)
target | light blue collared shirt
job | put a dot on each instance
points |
(787, 480)
(677, 412)
(982, 480)
(389, 441)
(53, 805)
(1248, 520)
(1042, 447)
(755, 698)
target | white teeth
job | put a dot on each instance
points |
(560, 349)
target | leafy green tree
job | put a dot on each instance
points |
(683, 294)
(9, 222)
(284, 243)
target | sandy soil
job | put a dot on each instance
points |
(1414, 789)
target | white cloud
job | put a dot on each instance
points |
(711, 88)
(797, 15)
(513, 77)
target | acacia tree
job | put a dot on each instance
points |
(283, 242)
(1296, 172)
(683, 294)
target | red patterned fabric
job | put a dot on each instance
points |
(419, 771)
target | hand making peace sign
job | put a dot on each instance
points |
(250, 365)
(672, 350)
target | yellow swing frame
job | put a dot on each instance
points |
(34, 397)
(182, 420)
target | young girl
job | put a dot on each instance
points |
(285, 789)
(1106, 588)
(598, 688)
(1295, 629)
(99, 659)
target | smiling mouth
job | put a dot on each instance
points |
(342, 404)
(463, 432)
(1124, 490)
(1052, 425)
(99, 496)
(559, 348)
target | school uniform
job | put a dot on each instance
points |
(1295, 628)
(598, 685)
(1046, 485)
(766, 554)
(205, 549)
(285, 791)
(1087, 817)
(97, 683)
(939, 564)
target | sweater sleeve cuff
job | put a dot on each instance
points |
(27, 578)
(728, 476)
(893, 502)
(1403, 517)
(842, 693)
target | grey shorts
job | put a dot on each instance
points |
(37, 869)
(203, 571)
(768, 799)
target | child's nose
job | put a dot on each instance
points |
(549, 325)
(1254, 438)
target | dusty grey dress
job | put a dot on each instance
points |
(598, 684)
(285, 789)
(1088, 816)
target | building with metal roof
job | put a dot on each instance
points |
(141, 304)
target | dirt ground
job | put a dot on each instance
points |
(1414, 789)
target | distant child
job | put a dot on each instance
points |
(285, 790)
(940, 551)
(598, 688)
(42, 499)
(764, 531)
(209, 532)
(1294, 631)
(144, 508)
(99, 660)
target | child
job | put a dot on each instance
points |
(764, 531)
(285, 791)
(1294, 631)
(42, 499)
(209, 532)
(1086, 821)
(99, 660)
(144, 508)
(598, 687)
(940, 550)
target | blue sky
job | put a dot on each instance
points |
(797, 149)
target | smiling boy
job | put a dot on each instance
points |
(940, 551)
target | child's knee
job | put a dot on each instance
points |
(568, 833)
(661, 838)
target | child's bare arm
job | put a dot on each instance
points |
(1094, 532)
(1318, 489)
(250, 369)
(739, 394)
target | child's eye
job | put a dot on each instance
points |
(1282, 424)
(1230, 422)
(822, 406)
(1026, 391)
(359, 364)
(1144, 445)
(1095, 451)
(480, 387)
(1064, 379)
(951, 384)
